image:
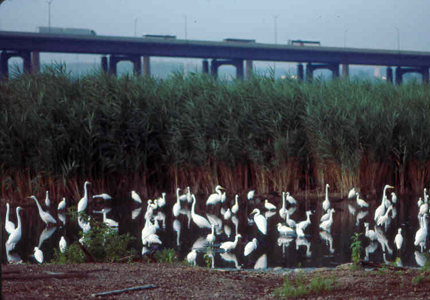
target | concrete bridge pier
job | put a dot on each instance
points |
(205, 67)
(300, 72)
(146, 66)
(4, 62)
(115, 59)
(238, 63)
(389, 75)
(345, 71)
(249, 69)
(424, 71)
(310, 68)
(104, 62)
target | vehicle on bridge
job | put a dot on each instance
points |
(65, 30)
(159, 36)
(303, 43)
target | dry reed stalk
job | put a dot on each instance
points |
(374, 174)
(418, 173)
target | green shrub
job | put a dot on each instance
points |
(166, 256)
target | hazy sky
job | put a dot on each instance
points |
(368, 23)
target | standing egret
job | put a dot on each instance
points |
(261, 262)
(15, 235)
(325, 216)
(290, 222)
(47, 201)
(198, 219)
(326, 202)
(250, 195)
(285, 230)
(385, 219)
(227, 215)
(211, 236)
(424, 208)
(290, 199)
(380, 211)
(215, 197)
(398, 240)
(104, 196)
(161, 201)
(46, 217)
(63, 244)
(420, 201)
(82, 204)
(109, 222)
(260, 220)
(304, 224)
(62, 204)
(8, 226)
(135, 196)
(393, 197)
(283, 210)
(299, 232)
(38, 254)
(250, 246)
(369, 233)
(176, 207)
(326, 225)
(352, 193)
(235, 207)
(421, 234)
(192, 256)
(228, 246)
(268, 205)
(361, 202)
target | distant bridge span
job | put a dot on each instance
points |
(115, 49)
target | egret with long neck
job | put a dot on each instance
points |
(82, 204)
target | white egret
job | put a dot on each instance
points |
(82, 204)
(227, 215)
(183, 197)
(177, 206)
(47, 201)
(235, 207)
(250, 195)
(326, 216)
(38, 254)
(63, 244)
(393, 197)
(135, 196)
(250, 246)
(9, 226)
(283, 210)
(290, 222)
(352, 193)
(136, 212)
(421, 234)
(147, 230)
(382, 239)
(326, 225)
(351, 209)
(260, 220)
(161, 201)
(385, 219)
(227, 230)
(290, 199)
(211, 236)
(198, 219)
(235, 221)
(361, 215)
(326, 202)
(46, 217)
(369, 232)
(304, 224)
(104, 196)
(299, 232)
(270, 213)
(361, 202)
(109, 222)
(200, 243)
(151, 239)
(213, 219)
(189, 198)
(261, 262)
(420, 201)
(161, 216)
(192, 256)
(177, 228)
(285, 230)
(381, 208)
(424, 208)
(268, 205)
(215, 197)
(398, 240)
(228, 246)
(62, 204)
(15, 235)
(230, 257)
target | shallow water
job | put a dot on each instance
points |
(317, 249)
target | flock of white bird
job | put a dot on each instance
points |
(218, 237)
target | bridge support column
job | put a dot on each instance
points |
(137, 64)
(399, 75)
(425, 75)
(389, 75)
(345, 71)
(26, 56)
(300, 72)
(104, 62)
(35, 60)
(309, 72)
(113, 60)
(4, 67)
(239, 69)
(205, 66)
(146, 66)
(249, 69)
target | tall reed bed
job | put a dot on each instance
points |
(154, 135)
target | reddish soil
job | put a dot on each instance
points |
(178, 281)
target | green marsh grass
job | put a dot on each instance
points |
(153, 135)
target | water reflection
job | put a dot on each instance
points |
(305, 241)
